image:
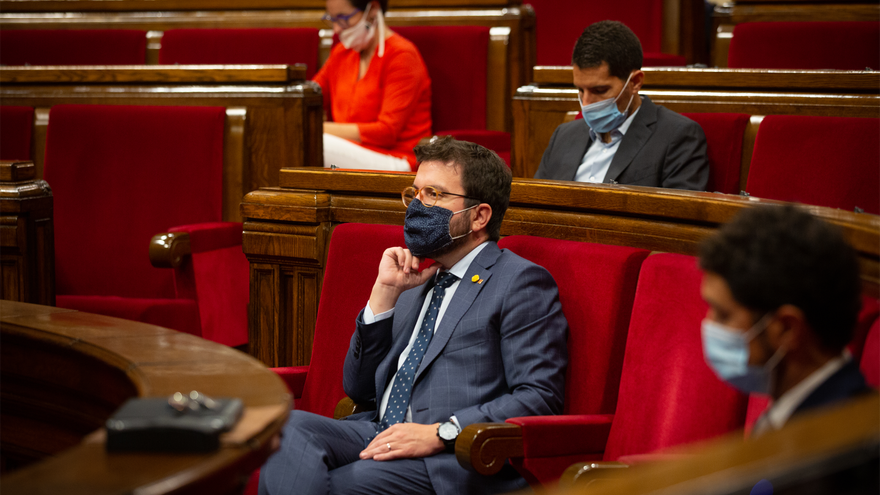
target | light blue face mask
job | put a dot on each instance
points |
(727, 353)
(604, 116)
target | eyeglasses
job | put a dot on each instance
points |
(427, 195)
(342, 20)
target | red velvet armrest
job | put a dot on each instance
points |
(553, 436)
(294, 377)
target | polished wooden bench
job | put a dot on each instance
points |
(541, 107)
(273, 116)
(728, 15)
(65, 372)
(287, 231)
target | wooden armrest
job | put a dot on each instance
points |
(346, 407)
(169, 249)
(584, 473)
(485, 447)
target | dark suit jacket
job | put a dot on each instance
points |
(660, 149)
(847, 382)
(499, 352)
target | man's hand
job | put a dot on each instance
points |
(398, 272)
(407, 440)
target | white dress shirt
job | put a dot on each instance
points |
(459, 270)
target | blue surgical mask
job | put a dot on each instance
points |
(604, 116)
(727, 352)
(426, 230)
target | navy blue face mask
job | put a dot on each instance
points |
(426, 230)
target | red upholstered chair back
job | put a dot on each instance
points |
(352, 265)
(824, 161)
(242, 46)
(16, 125)
(559, 24)
(119, 175)
(724, 141)
(597, 284)
(870, 363)
(668, 394)
(73, 47)
(805, 45)
(456, 58)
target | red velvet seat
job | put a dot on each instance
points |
(119, 175)
(242, 46)
(724, 140)
(870, 362)
(805, 45)
(559, 24)
(456, 57)
(597, 284)
(824, 161)
(16, 126)
(667, 396)
(73, 47)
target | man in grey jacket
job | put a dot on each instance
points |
(624, 138)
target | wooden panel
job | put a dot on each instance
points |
(212, 74)
(64, 372)
(156, 5)
(311, 200)
(542, 107)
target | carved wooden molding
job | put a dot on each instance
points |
(485, 447)
(177, 74)
(169, 249)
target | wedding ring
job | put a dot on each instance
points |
(389, 446)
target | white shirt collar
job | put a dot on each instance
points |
(784, 407)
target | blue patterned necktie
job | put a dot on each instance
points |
(401, 391)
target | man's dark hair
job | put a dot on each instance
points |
(611, 42)
(775, 255)
(362, 4)
(484, 175)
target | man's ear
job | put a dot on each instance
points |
(638, 78)
(790, 328)
(482, 217)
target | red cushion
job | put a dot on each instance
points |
(458, 89)
(352, 265)
(16, 125)
(119, 175)
(177, 314)
(559, 24)
(805, 45)
(724, 140)
(867, 316)
(242, 46)
(596, 288)
(668, 395)
(825, 161)
(657, 59)
(73, 47)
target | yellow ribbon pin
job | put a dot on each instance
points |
(475, 278)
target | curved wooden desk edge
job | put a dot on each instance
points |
(158, 362)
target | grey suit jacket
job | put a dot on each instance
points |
(660, 149)
(499, 352)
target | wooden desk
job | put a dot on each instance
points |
(287, 231)
(538, 109)
(65, 372)
(273, 116)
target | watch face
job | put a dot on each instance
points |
(448, 431)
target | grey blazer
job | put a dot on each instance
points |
(499, 352)
(660, 149)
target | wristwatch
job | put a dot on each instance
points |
(448, 432)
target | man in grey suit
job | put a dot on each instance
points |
(624, 138)
(479, 336)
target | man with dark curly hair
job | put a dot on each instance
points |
(623, 138)
(784, 296)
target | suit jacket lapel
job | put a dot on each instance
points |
(462, 300)
(408, 321)
(575, 153)
(636, 136)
